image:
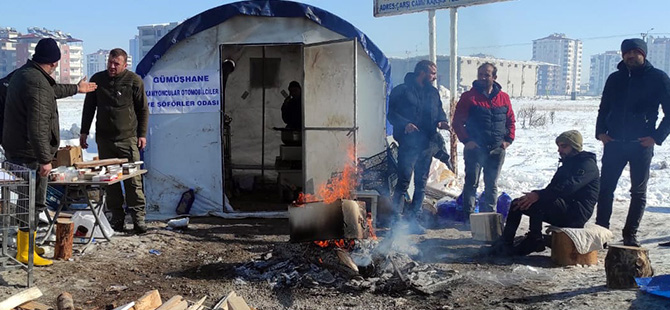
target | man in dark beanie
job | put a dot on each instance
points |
(568, 200)
(626, 126)
(31, 134)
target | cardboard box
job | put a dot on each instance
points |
(67, 156)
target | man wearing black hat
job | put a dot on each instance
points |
(568, 200)
(626, 126)
(31, 133)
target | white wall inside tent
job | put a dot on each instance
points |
(184, 150)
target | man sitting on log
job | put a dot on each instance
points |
(568, 200)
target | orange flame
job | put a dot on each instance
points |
(340, 243)
(373, 236)
(340, 186)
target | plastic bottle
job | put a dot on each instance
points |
(186, 201)
(504, 202)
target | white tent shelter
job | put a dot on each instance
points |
(344, 78)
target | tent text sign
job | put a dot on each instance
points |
(183, 92)
(397, 7)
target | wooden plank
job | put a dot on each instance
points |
(175, 303)
(198, 304)
(223, 303)
(150, 301)
(33, 305)
(102, 162)
(237, 303)
(21, 298)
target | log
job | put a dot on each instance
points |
(564, 252)
(21, 298)
(64, 238)
(150, 301)
(103, 162)
(64, 300)
(625, 263)
(175, 303)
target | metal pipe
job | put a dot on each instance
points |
(453, 84)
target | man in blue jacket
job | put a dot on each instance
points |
(415, 111)
(627, 128)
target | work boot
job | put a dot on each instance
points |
(23, 245)
(139, 225)
(118, 226)
(630, 239)
(532, 243)
(501, 248)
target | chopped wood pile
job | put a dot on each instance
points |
(26, 300)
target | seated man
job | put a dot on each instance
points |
(568, 200)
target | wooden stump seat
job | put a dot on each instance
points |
(564, 252)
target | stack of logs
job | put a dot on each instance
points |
(25, 300)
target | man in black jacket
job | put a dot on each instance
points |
(31, 134)
(415, 111)
(568, 200)
(4, 83)
(626, 126)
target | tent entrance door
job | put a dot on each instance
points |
(329, 109)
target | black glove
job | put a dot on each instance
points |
(444, 157)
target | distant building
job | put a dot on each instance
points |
(134, 51)
(150, 34)
(17, 48)
(517, 78)
(659, 53)
(602, 65)
(548, 80)
(7, 50)
(97, 62)
(567, 54)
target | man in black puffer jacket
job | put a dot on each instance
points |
(626, 126)
(568, 200)
(415, 111)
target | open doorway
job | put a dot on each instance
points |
(262, 159)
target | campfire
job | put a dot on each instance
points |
(330, 217)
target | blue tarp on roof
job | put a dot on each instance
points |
(266, 8)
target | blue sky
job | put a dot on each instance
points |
(504, 29)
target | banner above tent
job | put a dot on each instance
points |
(183, 92)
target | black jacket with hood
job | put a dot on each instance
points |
(577, 183)
(629, 105)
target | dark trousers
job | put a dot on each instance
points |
(135, 200)
(412, 157)
(556, 213)
(491, 162)
(615, 157)
(40, 187)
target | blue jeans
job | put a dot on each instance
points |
(491, 162)
(616, 155)
(412, 157)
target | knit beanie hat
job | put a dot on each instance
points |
(46, 51)
(572, 138)
(634, 44)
